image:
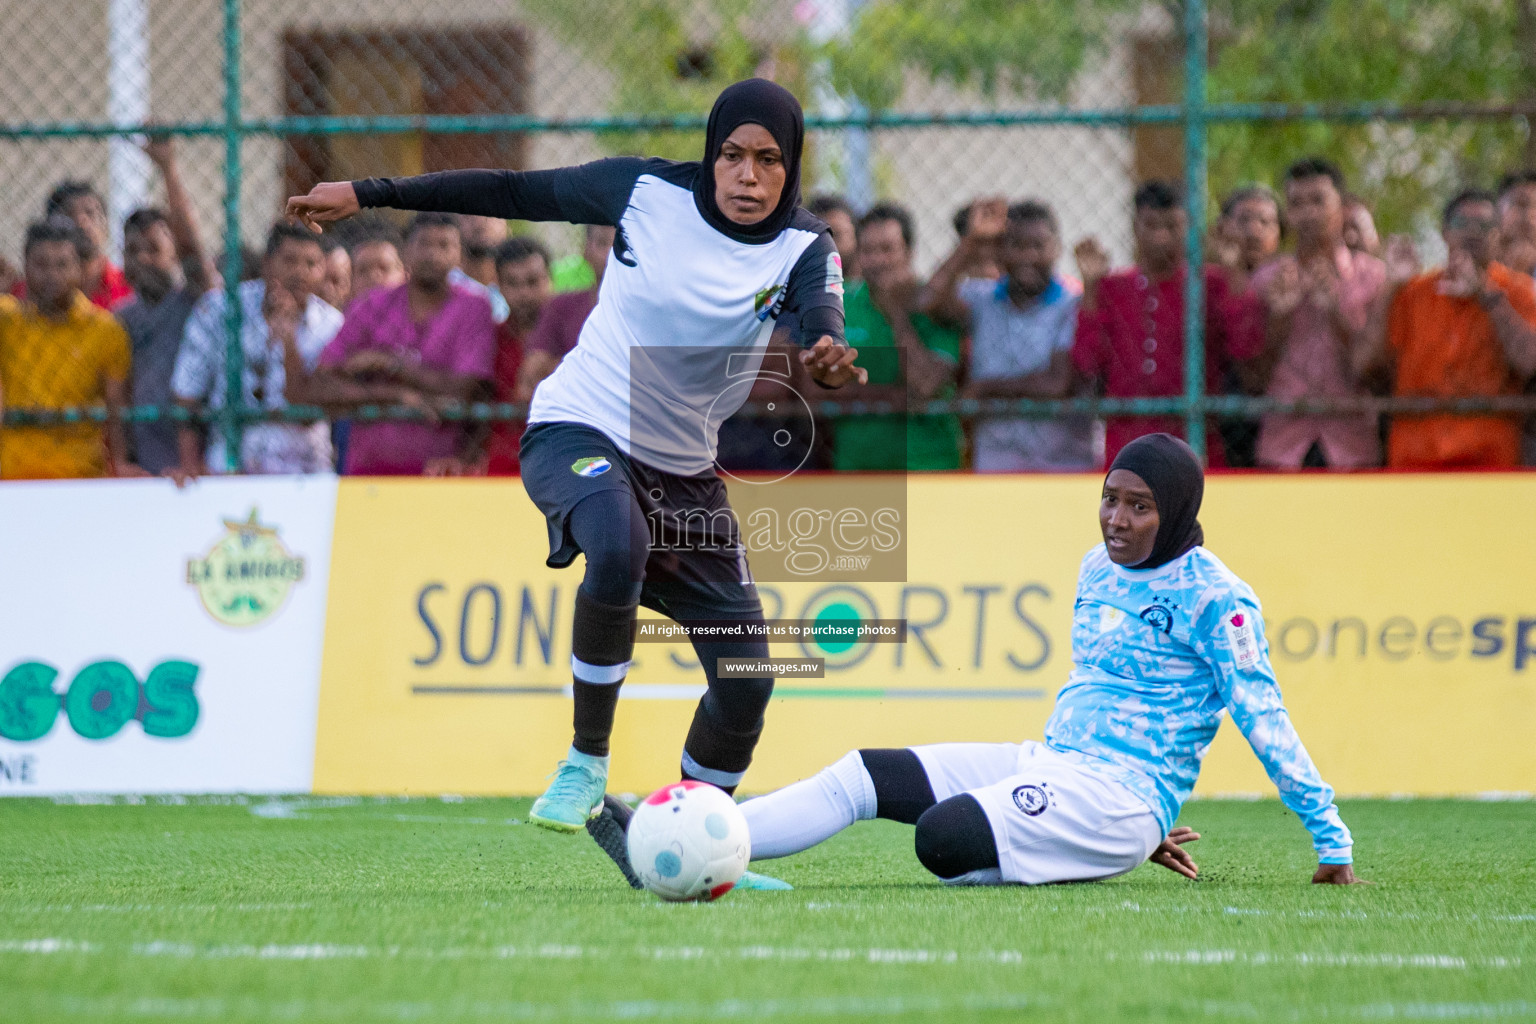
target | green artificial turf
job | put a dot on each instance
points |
(424, 910)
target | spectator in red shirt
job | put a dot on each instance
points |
(102, 280)
(522, 275)
(1130, 327)
(560, 324)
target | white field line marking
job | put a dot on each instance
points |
(480, 1009)
(872, 955)
(149, 908)
(1432, 961)
(1447, 1011)
(46, 946)
(1131, 907)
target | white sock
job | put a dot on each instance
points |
(812, 810)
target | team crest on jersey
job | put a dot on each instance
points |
(1032, 800)
(834, 274)
(767, 302)
(1241, 639)
(595, 466)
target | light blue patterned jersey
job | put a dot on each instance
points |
(1157, 656)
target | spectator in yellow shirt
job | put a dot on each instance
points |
(59, 351)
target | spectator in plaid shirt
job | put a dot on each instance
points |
(1021, 323)
(285, 327)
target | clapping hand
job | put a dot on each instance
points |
(1402, 259)
(1092, 261)
(1283, 292)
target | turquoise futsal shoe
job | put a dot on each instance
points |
(762, 883)
(574, 797)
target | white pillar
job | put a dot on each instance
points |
(128, 169)
(844, 158)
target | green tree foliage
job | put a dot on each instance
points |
(1334, 51)
(671, 57)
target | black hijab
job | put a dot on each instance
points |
(761, 102)
(1171, 468)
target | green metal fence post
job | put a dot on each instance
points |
(234, 351)
(1195, 57)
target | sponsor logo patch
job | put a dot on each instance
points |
(594, 466)
(1110, 618)
(1032, 800)
(834, 274)
(766, 303)
(1241, 639)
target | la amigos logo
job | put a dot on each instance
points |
(103, 697)
(247, 574)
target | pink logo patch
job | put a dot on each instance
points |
(1237, 620)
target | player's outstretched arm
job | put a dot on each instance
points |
(1230, 634)
(594, 193)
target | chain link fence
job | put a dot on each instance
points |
(926, 103)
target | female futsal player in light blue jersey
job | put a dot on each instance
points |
(1165, 640)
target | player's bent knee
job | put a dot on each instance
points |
(954, 838)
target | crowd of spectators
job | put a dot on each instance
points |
(1304, 301)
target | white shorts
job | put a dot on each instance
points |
(1053, 819)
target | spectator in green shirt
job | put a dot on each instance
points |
(910, 358)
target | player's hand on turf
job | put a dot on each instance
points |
(1337, 874)
(831, 364)
(326, 203)
(1171, 854)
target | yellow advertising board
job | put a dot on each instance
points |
(1400, 612)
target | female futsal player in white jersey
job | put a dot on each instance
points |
(705, 257)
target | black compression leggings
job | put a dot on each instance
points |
(611, 531)
(953, 836)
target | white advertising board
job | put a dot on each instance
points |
(155, 640)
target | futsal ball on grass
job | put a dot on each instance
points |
(689, 841)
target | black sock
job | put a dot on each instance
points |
(602, 640)
(595, 706)
(902, 789)
(729, 720)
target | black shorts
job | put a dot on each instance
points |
(697, 566)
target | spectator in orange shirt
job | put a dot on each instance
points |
(58, 351)
(1466, 330)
